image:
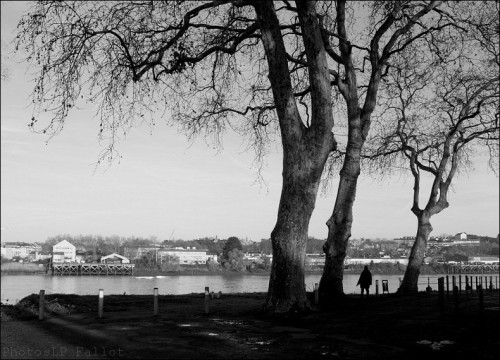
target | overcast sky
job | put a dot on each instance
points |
(166, 187)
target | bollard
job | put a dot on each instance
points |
(207, 298)
(155, 302)
(428, 289)
(316, 294)
(441, 295)
(41, 305)
(481, 301)
(447, 287)
(455, 297)
(385, 286)
(101, 303)
(376, 287)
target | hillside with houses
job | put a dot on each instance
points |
(241, 255)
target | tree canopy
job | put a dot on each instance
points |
(260, 68)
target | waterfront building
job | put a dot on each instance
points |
(187, 256)
(115, 259)
(484, 259)
(64, 252)
(19, 249)
(368, 261)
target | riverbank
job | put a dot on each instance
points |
(380, 327)
(14, 268)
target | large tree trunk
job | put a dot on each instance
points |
(289, 238)
(339, 226)
(410, 280)
(305, 151)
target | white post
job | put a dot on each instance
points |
(101, 303)
(207, 299)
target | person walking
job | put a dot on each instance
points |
(365, 280)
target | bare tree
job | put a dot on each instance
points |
(260, 68)
(439, 112)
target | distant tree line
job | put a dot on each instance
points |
(112, 244)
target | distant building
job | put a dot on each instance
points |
(67, 249)
(315, 259)
(406, 240)
(115, 259)
(461, 236)
(362, 261)
(19, 249)
(138, 252)
(187, 256)
(484, 259)
(466, 242)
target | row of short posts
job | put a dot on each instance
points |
(100, 308)
(457, 289)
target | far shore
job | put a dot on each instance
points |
(14, 268)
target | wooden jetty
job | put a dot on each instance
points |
(472, 268)
(92, 269)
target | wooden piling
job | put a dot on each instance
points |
(155, 301)
(207, 299)
(376, 287)
(41, 305)
(481, 301)
(447, 287)
(455, 297)
(441, 295)
(101, 303)
(316, 294)
(460, 284)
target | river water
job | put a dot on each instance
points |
(16, 287)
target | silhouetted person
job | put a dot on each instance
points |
(365, 280)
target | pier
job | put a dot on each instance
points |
(92, 269)
(472, 268)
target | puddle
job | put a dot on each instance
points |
(231, 322)
(436, 345)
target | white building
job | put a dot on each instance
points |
(19, 249)
(187, 256)
(461, 236)
(67, 250)
(353, 261)
(115, 258)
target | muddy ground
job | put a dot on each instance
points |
(380, 327)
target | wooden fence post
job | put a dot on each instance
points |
(441, 295)
(316, 294)
(207, 299)
(155, 302)
(41, 305)
(481, 301)
(376, 287)
(101, 303)
(455, 297)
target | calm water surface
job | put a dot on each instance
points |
(16, 287)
